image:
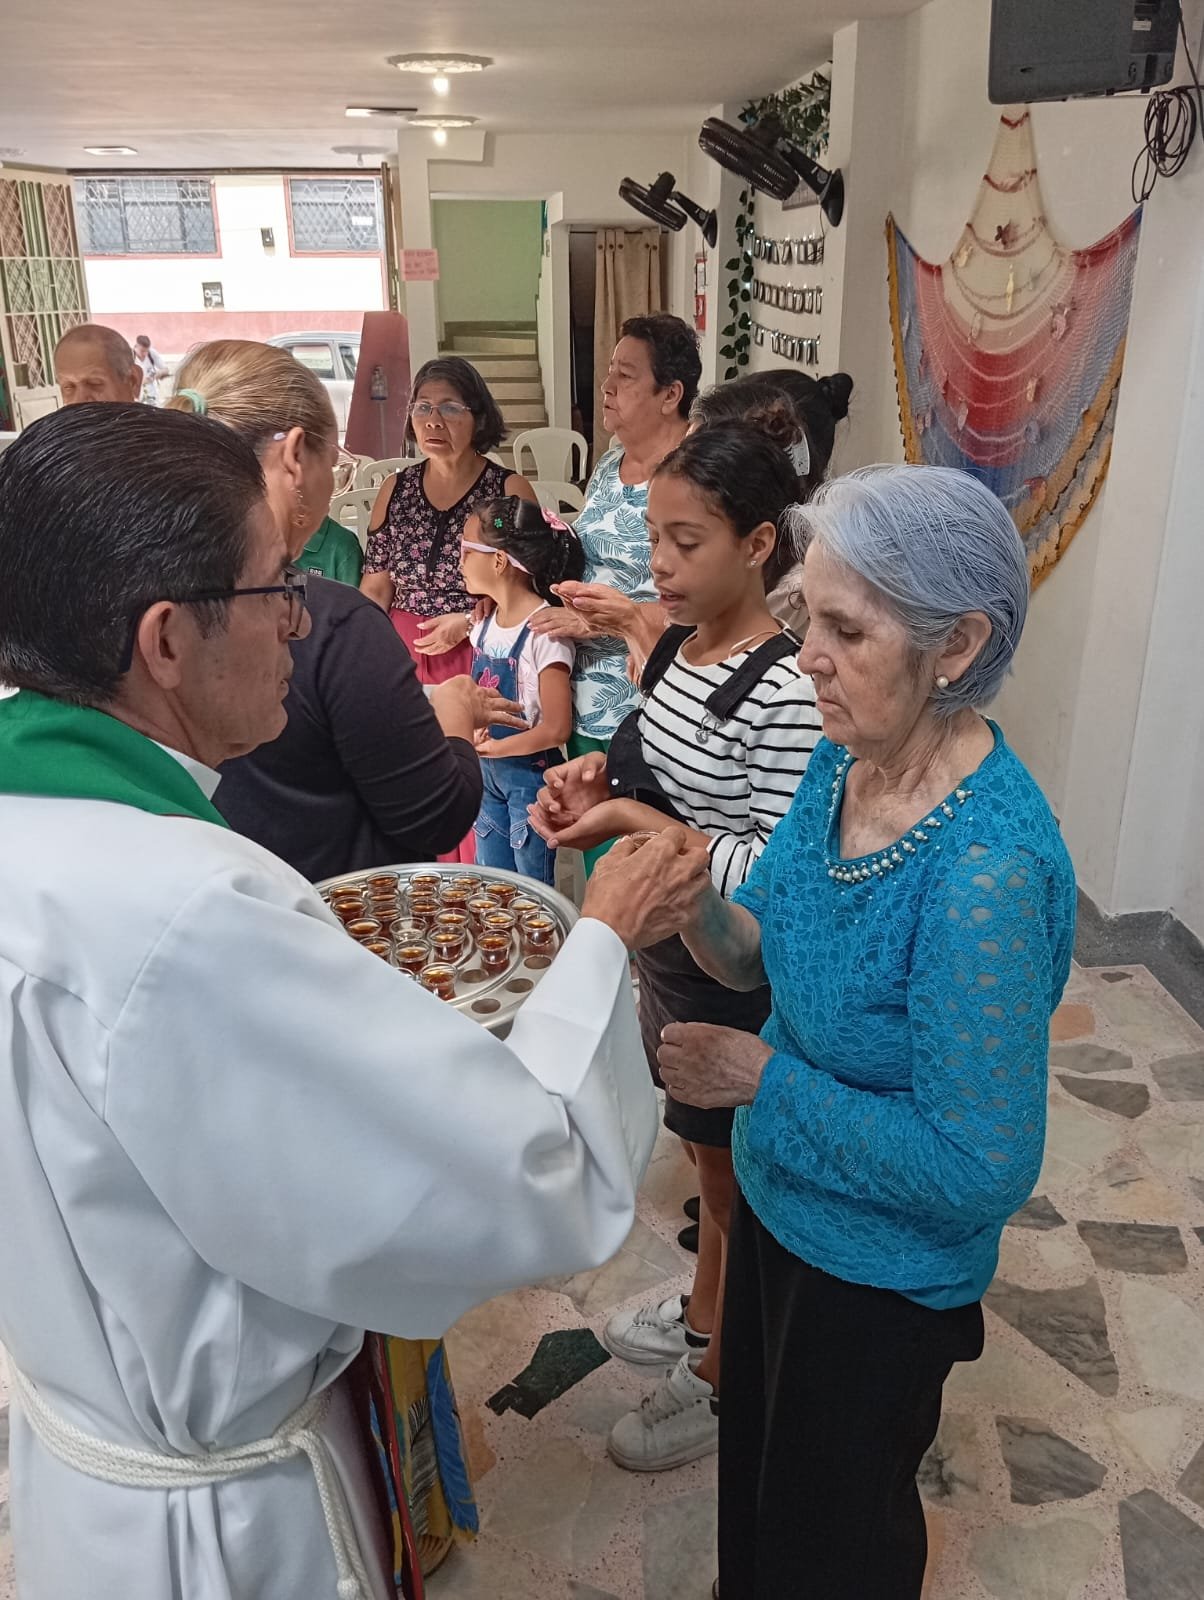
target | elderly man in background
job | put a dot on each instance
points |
(233, 1137)
(93, 362)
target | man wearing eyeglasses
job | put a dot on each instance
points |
(230, 1138)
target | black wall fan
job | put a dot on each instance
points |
(662, 203)
(766, 157)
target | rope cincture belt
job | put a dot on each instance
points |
(148, 1469)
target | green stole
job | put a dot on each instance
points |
(73, 753)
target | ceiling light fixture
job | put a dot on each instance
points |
(442, 122)
(441, 85)
(440, 66)
(109, 150)
(439, 135)
(379, 111)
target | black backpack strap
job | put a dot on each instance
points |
(661, 656)
(723, 701)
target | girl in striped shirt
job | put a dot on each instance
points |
(719, 744)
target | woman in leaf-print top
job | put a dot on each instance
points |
(647, 393)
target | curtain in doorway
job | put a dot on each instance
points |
(628, 284)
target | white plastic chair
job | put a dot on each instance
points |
(552, 493)
(30, 404)
(552, 450)
(373, 473)
(354, 511)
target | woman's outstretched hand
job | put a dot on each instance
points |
(570, 790)
(646, 889)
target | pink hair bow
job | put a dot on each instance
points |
(555, 522)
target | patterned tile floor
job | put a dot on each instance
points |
(1070, 1461)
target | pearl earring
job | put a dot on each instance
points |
(942, 683)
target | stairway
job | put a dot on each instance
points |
(506, 356)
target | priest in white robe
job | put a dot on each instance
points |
(230, 1139)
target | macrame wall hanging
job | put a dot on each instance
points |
(1008, 355)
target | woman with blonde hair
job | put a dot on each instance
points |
(366, 773)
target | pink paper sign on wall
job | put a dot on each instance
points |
(420, 266)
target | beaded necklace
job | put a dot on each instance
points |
(881, 862)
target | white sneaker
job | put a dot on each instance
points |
(674, 1425)
(653, 1336)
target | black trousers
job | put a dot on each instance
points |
(831, 1395)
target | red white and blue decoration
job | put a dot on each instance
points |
(1008, 356)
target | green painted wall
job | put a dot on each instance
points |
(488, 259)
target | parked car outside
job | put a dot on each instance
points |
(333, 357)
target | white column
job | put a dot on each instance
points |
(868, 96)
(1134, 789)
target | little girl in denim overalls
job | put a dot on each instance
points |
(513, 553)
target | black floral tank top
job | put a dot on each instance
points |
(419, 546)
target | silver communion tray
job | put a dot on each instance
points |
(491, 998)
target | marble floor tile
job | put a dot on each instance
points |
(1043, 1466)
(1163, 1550)
(1176, 1147)
(643, 1265)
(1077, 1143)
(949, 1473)
(1134, 1246)
(1166, 1337)
(1088, 1058)
(1072, 1022)
(560, 1362)
(679, 1539)
(1068, 1324)
(1038, 1213)
(1038, 1561)
(1182, 1077)
(1122, 1099)
(1151, 1439)
(1191, 1484)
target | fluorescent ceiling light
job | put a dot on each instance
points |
(442, 123)
(439, 135)
(441, 85)
(109, 150)
(441, 66)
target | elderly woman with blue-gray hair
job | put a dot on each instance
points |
(914, 916)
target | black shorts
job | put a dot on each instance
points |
(673, 988)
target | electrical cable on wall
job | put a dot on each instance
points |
(1173, 118)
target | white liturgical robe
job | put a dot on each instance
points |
(230, 1140)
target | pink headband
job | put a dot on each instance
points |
(492, 550)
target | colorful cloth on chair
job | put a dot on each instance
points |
(421, 1451)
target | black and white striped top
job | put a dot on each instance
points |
(737, 782)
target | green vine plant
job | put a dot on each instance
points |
(803, 110)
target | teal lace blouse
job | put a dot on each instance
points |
(901, 1118)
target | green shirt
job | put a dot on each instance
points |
(335, 552)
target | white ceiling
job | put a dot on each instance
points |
(264, 82)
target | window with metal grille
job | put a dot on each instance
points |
(145, 216)
(335, 216)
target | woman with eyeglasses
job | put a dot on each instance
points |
(412, 566)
